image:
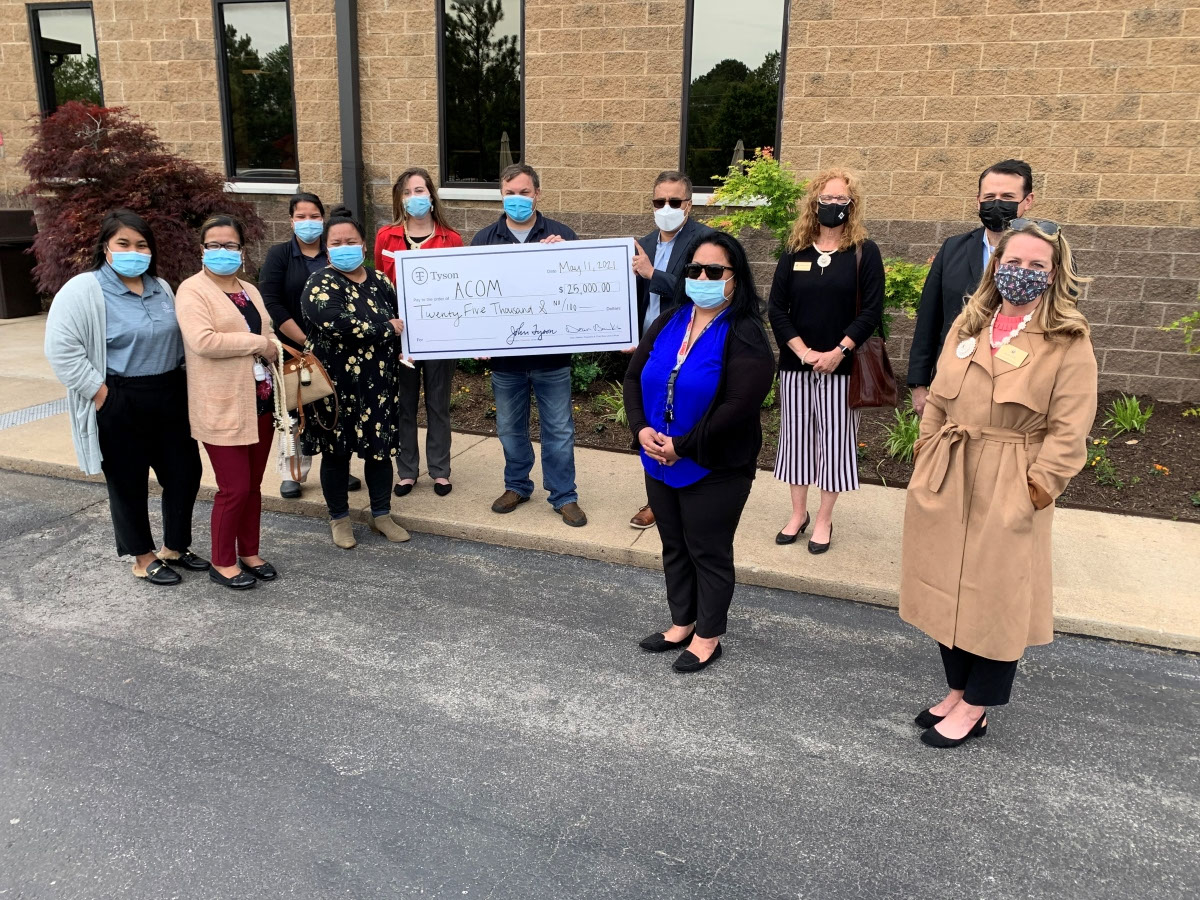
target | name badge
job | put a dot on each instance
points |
(802, 267)
(1014, 356)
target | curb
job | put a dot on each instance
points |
(752, 575)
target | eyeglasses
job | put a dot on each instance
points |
(232, 245)
(839, 199)
(660, 202)
(713, 271)
(1045, 226)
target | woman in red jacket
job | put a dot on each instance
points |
(419, 225)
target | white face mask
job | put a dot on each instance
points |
(668, 219)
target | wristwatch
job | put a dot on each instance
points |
(846, 351)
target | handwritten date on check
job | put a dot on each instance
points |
(518, 299)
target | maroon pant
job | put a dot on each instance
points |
(238, 504)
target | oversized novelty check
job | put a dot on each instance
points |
(516, 299)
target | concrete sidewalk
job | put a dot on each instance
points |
(1122, 577)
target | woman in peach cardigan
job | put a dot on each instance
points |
(226, 338)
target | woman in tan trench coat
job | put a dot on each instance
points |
(1005, 428)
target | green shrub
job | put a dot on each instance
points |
(902, 283)
(772, 394)
(1126, 415)
(584, 371)
(610, 403)
(1189, 325)
(766, 194)
(472, 366)
(902, 435)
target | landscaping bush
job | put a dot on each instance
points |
(584, 371)
(901, 289)
(766, 193)
(902, 435)
(87, 160)
(1125, 415)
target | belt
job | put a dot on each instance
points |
(952, 434)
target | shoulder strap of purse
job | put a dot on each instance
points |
(857, 280)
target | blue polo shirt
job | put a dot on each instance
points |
(141, 333)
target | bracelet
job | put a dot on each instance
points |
(804, 358)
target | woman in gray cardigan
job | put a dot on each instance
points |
(112, 339)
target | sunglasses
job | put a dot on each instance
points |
(660, 202)
(714, 272)
(1045, 226)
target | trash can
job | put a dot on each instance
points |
(18, 295)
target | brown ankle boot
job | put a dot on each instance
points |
(388, 527)
(343, 533)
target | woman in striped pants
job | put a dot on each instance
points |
(818, 320)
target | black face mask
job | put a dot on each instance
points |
(831, 215)
(996, 214)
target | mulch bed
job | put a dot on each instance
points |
(1171, 440)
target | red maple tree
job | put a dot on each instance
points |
(86, 160)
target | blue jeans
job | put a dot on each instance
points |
(553, 390)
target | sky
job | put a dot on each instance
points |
(749, 35)
(266, 23)
(71, 25)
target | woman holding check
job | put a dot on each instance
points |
(693, 393)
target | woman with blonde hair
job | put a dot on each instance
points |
(418, 224)
(1004, 430)
(826, 299)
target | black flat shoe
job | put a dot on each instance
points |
(289, 490)
(690, 662)
(926, 719)
(934, 738)
(265, 572)
(784, 538)
(814, 547)
(353, 483)
(656, 643)
(188, 560)
(402, 490)
(159, 573)
(442, 489)
(242, 581)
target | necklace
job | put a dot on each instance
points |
(825, 257)
(1012, 334)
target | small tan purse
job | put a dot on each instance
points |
(304, 379)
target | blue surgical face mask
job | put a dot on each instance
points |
(705, 294)
(518, 207)
(308, 230)
(222, 262)
(130, 263)
(418, 205)
(347, 257)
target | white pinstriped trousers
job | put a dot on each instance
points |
(818, 431)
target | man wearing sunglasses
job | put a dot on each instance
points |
(1005, 193)
(658, 262)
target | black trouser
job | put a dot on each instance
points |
(143, 425)
(335, 472)
(696, 525)
(984, 682)
(439, 377)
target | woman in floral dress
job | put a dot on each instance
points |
(354, 332)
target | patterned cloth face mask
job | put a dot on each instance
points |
(1021, 286)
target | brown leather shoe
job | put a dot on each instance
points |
(644, 518)
(572, 515)
(507, 502)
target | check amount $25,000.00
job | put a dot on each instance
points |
(568, 297)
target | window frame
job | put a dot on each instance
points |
(688, 22)
(227, 149)
(443, 148)
(35, 40)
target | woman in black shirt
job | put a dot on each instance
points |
(816, 316)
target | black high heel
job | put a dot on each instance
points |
(814, 547)
(784, 538)
(935, 738)
(927, 719)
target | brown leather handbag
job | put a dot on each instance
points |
(872, 381)
(304, 379)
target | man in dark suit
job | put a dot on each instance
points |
(1005, 193)
(658, 261)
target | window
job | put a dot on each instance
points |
(64, 54)
(254, 56)
(480, 68)
(733, 68)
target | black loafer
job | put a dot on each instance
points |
(289, 490)
(690, 662)
(814, 547)
(239, 582)
(442, 489)
(188, 560)
(402, 490)
(656, 643)
(159, 573)
(926, 719)
(784, 538)
(353, 483)
(265, 572)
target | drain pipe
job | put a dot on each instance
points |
(349, 107)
